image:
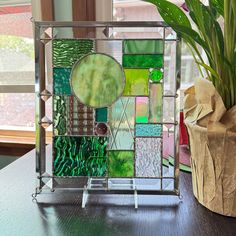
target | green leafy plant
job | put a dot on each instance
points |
(219, 45)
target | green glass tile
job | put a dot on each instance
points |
(67, 51)
(156, 75)
(101, 114)
(97, 80)
(148, 130)
(142, 110)
(61, 81)
(80, 156)
(137, 46)
(121, 164)
(136, 82)
(142, 61)
(59, 115)
(156, 102)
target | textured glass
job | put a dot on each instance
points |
(156, 75)
(142, 61)
(101, 114)
(148, 130)
(121, 164)
(59, 115)
(67, 51)
(143, 46)
(148, 157)
(61, 81)
(121, 120)
(97, 80)
(80, 118)
(142, 111)
(136, 82)
(80, 156)
(156, 102)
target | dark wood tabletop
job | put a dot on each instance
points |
(60, 213)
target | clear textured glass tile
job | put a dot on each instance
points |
(142, 110)
(136, 82)
(61, 81)
(143, 46)
(120, 163)
(80, 156)
(142, 61)
(148, 130)
(121, 120)
(67, 51)
(156, 102)
(148, 157)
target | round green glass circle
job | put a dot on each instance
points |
(97, 80)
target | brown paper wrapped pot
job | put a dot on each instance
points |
(212, 136)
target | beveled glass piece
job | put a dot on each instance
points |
(80, 156)
(142, 110)
(101, 114)
(61, 81)
(142, 61)
(59, 115)
(148, 157)
(120, 163)
(67, 51)
(45, 95)
(45, 122)
(136, 82)
(156, 100)
(137, 46)
(148, 130)
(156, 75)
(97, 80)
(121, 121)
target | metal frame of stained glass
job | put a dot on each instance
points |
(119, 181)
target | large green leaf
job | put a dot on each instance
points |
(170, 13)
(218, 5)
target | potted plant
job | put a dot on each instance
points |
(210, 106)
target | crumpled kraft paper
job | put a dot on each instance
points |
(212, 136)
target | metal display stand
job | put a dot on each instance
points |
(165, 184)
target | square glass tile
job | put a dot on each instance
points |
(61, 81)
(148, 130)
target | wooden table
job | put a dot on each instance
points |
(60, 213)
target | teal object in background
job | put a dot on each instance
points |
(68, 51)
(143, 61)
(61, 81)
(101, 114)
(137, 46)
(121, 163)
(80, 156)
(148, 130)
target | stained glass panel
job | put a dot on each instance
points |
(155, 102)
(121, 164)
(142, 110)
(148, 157)
(97, 80)
(61, 81)
(67, 51)
(80, 156)
(148, 130)
(142, 61)
(143, 46)
(121, 120)
(136, 82)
